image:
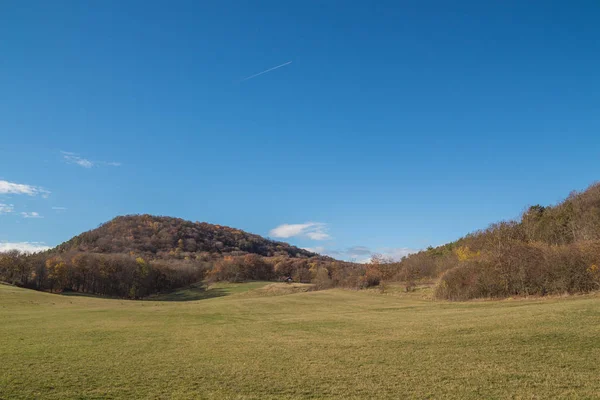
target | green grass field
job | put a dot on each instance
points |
(247, 342)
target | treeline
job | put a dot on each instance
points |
(324, 273)
(134, 277)
(550, 250)
(134, 256)
(105, 274)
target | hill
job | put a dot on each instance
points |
(167, 237)
(136, 256)
(548, 250)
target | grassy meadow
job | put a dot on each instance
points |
(273, 341)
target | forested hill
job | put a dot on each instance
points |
(165, 237)
(135, 256)
(549, 250)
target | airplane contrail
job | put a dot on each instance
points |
(264, 72)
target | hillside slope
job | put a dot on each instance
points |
(549, 250)
(163, 237)
(136, 256)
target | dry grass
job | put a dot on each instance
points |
(280, 289)
(329, 344)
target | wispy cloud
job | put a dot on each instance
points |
(363, 254)
(318, 235)
(317, 249)
(31, 214)
(265, 71)
(359, 250)
(26, 247)
(6, 208)
(74, 158)
(396, 253)
(20, 188)
(59, 208)
(311, 230)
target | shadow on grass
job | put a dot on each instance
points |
(191, 293)
(197, 291)
(82, 294)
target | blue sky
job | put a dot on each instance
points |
(397, 125)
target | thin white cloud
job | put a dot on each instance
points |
(6, 208)
(363, 254)
(317, 249)
(16, 188)
(359, 250)
(289, 230)
(59, 208)
(26, 247)
(386, 253)
(74, 158)
(396, 253)
(311, 230)
(84, 163)
(318, 235)
(20, 188)
(265, 71)
(31, 214)
(350, 253)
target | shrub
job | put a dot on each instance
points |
(322, 279)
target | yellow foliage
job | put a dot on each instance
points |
(464, 253)
(313, 268)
